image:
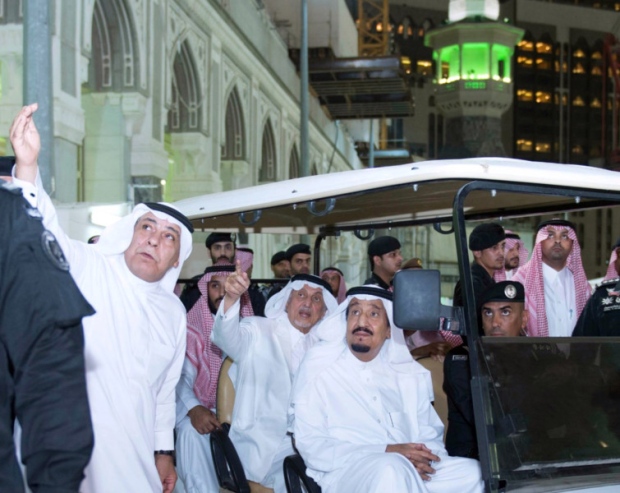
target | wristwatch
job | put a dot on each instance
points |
(165, 452)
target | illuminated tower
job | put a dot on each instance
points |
(473, 60)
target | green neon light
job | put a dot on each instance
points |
(480, 61)
(476, 60)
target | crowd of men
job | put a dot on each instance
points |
(316, 368)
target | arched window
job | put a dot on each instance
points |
(184, 115)
(293, 163)
(268, 155)
(234, 146)
(11, 12)
(114, 62)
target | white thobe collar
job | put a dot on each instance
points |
(298, 344)
(560, 304)
(359, 365)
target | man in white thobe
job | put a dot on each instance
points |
(556, 286)
(197, 388)
(267, 353)
(135, 343)
(363, 418)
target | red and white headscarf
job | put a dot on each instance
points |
(342, 288)
(246, 257)
(531, 276)
(611, 267)
(511, 240)
(205, 356)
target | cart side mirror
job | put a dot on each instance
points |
(417, 302)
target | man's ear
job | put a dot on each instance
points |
(524, 318)
(477, 253)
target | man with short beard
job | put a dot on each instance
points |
(222, 248)
(486, 242)
(515, 254)
(385, 260)
(197, 388)
(556, 286)
(267, 353)
(362, 408)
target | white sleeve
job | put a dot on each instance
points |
(232, 335)
(186, 399)
(321, 451)
(165, 412)
(76, 252)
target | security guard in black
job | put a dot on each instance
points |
(42, 374)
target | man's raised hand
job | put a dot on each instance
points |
(236, 284)
(26, 143)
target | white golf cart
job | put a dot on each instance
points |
(552, 428)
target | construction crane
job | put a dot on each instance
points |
(373, 40)
(373, 28)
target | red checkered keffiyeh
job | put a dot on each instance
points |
(342, 288)
(500, 275)
(531, 276)
(205, 356)
(611, 268)
(245, 258)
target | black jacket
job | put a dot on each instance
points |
(42, 374)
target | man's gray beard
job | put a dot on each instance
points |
(359, 348)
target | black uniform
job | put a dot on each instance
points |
(461, 434)
(601, 315)
(481, 280)
(42, 374)
(377, 281)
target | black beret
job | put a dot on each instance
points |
(297, 248)
(278, 257)
(156, 206)
(556, 222)
(511, 291)
(6, 165)
(486, 235)
(221, 267)
(382, 245)
(218, 237)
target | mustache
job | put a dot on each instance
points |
(363, 329)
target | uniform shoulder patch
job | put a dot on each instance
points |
(53, 251)
(10, 187)
(609, 282)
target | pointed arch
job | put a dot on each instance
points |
(185, 114)
(268, 163)
(114, 60)
(315, 169)
(293, 163)
(234, 145)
